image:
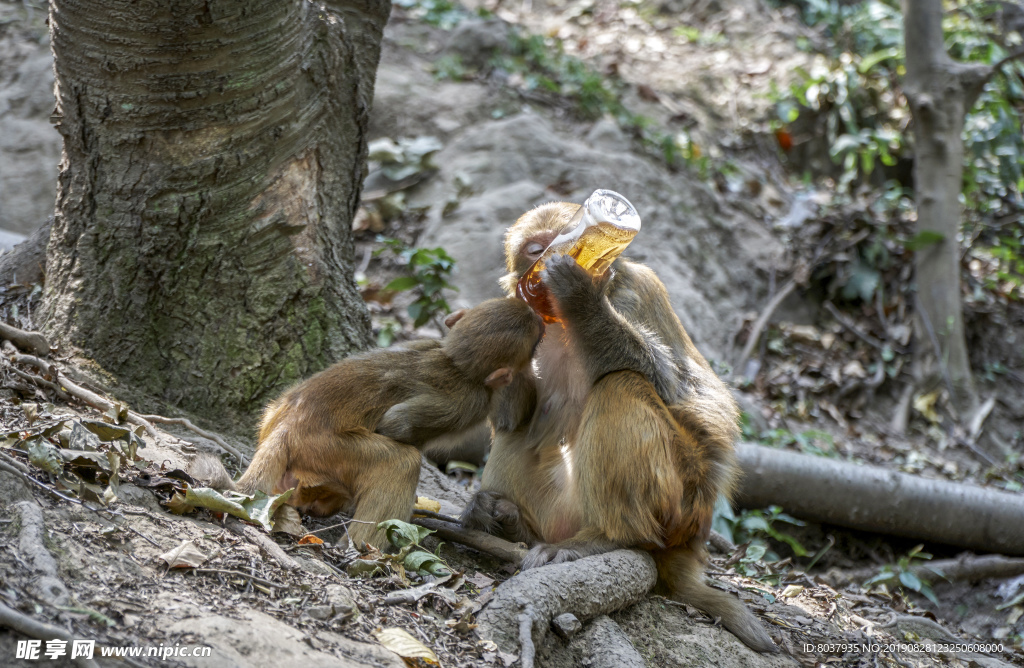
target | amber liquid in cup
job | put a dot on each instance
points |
(595, 236)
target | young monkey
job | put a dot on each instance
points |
(623, 436)
(348, 437)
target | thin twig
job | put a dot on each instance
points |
(216, 438)
(342, 524)
(858, 332)
(265, 583)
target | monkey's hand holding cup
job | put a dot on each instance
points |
(592, 239)
(575, 291)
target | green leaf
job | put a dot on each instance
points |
(402, 283)
(884, 576)
(910, 580)
(754, 553)
(401, 534)
(426, 563)
(924, 239)
(258, 507)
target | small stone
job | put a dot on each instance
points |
(566, 625)
(321, 612)
(342, 600)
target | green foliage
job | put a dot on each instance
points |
(809, 441)
(430, 269)
(755, 527)
(443, 14)
(543, 64)
(901, 575)
(857, 83)
(450, 67)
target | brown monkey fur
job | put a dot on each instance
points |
(347, 438)
(621, 435)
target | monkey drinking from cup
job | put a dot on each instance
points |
(620, 435)
(348, 437)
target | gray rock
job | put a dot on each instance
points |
(476, 41)
(566, 625)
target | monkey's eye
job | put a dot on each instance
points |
(533, 249)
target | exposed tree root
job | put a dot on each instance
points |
(965, 568)
(216, 438)
(32, 341)
(87, 396)
(47, 585)
(609, 646)
(875, 499)
(34, 629)
(520, 614)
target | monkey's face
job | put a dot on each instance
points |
(527, 239)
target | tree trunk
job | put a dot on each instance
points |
(940, 92)
(213, 157)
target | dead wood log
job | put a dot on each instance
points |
(520, 613)
(965, 568)
(870, 498)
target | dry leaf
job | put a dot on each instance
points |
(425, 503)
(310, 539)
(412, 651)
(185, 555)
(791, 591)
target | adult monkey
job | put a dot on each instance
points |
(620, 435)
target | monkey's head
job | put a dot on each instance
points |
(493, 340)
(526, 240)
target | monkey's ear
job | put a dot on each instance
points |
(453, 318)
(499, 378)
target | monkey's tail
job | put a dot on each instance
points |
(681, 570)
(268, 465)
(208, 470)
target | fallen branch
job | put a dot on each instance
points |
(722, 544)
(965, 568)
(216, 438)
(31, 341)
(762, 321)
(870, 498)
(35, 629)
(587, 588)
(478, 540)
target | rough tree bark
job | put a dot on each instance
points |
(940, 92)
(213, 155)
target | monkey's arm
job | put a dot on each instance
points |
(513, 405)
(431, 414)
(607, 341)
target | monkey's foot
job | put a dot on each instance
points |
(547, 553)
(494, 514)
